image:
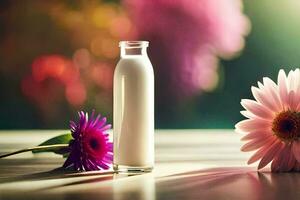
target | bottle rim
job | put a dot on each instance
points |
(133, 44)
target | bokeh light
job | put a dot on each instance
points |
(59, 56)
(82, 58)
(76, 94)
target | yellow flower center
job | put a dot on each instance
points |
(286, 125)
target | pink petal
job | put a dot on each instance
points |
(296, 150)
(297, 74)
(263, 98)
(269, 82)
(275, 165)
(255, 134)
(296, 88)
(248, 114)
(284, 160)
(260, 153)
(249, 125)
(297, 101)
(270, 154)
(292, 103)
(257, 109)
(260, 85)
(290, 81)
(257, 143)
(291, 162)
(298, 106)
(295, 80)
(272, 89)
(282, 84)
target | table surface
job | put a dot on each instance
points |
(190, 164)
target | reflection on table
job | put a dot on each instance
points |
(194, 164)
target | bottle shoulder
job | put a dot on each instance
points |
(134, 63)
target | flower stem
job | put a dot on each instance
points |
(45, 147)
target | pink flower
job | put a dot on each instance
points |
(186, 39)
(273, 124)
(90, 147)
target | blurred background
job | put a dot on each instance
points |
(58, 56)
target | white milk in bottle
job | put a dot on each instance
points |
(133, 109)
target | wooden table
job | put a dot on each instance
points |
(190, 164)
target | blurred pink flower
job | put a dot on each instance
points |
(273, 127)
(186, 39)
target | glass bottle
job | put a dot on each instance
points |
(133, 109)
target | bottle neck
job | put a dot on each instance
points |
(133, 48)
(133, 51)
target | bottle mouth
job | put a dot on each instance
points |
(133, 44)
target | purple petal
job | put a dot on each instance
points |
(96, 121)
(93, 165)
(102, 165)
(79, 158)
(109, 146)
(68, 162)
(106, 127)
(101, 122)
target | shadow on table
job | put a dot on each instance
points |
(58, 173)
(213, 183)
(125, 186)
(229, 183)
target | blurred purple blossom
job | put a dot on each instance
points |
(186, 39)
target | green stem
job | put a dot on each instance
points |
(45, 147)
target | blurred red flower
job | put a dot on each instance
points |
(51, 74)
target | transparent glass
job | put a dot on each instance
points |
(133, 48)
(134, 109)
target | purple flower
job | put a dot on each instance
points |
(186, 39)
(90, 147)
